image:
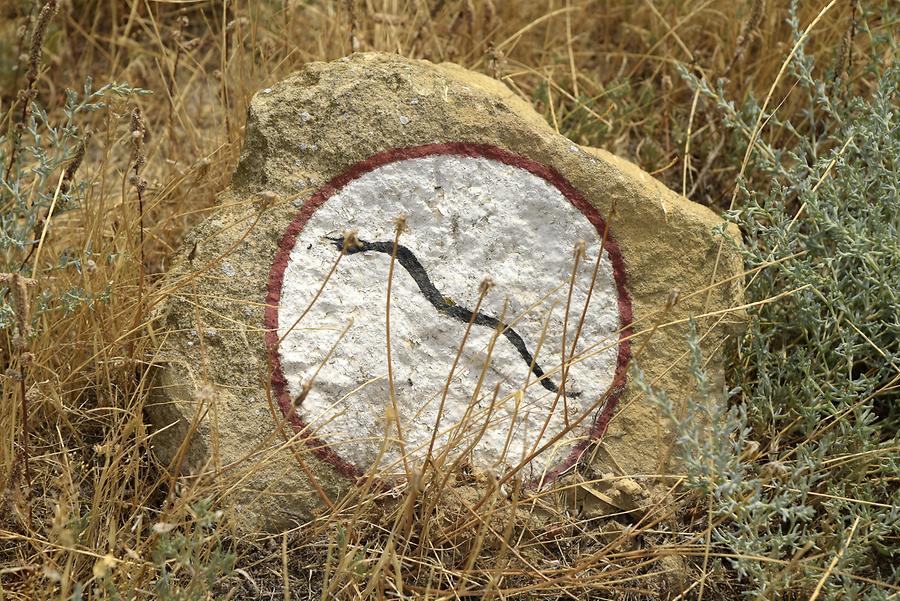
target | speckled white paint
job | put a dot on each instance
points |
(468, 218)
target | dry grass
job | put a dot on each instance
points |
(86, 505)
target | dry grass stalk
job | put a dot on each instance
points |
(19, 285)
(35, 53)
(483, 289)
(72, 168)
(139, 159)
(392, 391)
(37, 42)
(749, 28)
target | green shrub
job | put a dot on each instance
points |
(38, 163)
(802, 471)
(191, 561)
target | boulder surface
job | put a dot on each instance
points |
(526, 276)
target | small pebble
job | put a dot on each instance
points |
(404, 119)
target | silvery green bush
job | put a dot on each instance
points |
(38, 162)
(802, 470)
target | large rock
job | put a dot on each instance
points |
(271, 376)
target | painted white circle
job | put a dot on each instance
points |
(467, 218)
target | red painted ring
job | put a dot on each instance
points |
(288, 240)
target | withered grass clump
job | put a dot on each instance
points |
(86, 512)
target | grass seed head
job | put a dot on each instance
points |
(138, 137)
(37, 40)
(401, 223)
(72, 167)
(267, 199)
(351, 241)
(485, 286)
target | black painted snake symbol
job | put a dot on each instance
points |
(445, 306)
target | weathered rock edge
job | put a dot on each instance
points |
(312, 127)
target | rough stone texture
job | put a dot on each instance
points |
(464, 220)
(215, 378)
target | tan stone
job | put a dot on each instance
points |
(214, 381)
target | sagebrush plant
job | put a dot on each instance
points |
(195, 551)
(801, 471)
(39, 150)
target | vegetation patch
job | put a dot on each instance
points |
(782, 118)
